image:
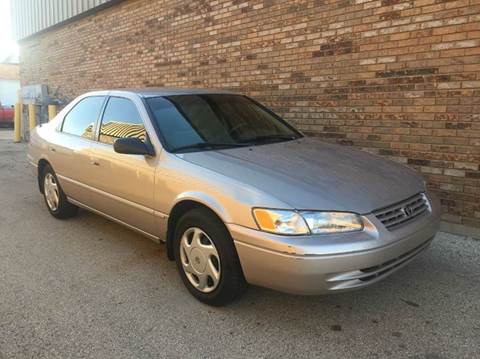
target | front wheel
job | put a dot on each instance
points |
(55, 198)
(207, 260)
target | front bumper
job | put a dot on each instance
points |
(329, 263)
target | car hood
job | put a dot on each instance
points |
(311, 174)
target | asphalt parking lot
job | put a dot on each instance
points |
(87, 287)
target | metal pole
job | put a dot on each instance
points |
(32, 116)
(52, 112)
(17, 123)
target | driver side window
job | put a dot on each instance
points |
(121, 120)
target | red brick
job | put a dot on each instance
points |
(397, 78)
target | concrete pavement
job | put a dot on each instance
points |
(87, 287)
(6, 134)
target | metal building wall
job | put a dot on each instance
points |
(32, 16)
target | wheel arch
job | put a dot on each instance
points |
(186, 204)
(42, 163)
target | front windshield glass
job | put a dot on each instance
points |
(210, 121)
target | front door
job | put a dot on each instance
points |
(123, 185)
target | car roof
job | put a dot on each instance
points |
(165, 91)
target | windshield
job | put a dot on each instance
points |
(210, 121)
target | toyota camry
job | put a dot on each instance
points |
(237, 194)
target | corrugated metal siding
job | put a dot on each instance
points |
(32, 16)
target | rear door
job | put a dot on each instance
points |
(123, 184)
(69, 149)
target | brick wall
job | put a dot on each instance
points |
(397, 78)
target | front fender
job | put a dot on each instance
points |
(206, 200)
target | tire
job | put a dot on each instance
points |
(63, 209)
(231, 283)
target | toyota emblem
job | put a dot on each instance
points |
(407, 211)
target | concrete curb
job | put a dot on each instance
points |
(460, 229)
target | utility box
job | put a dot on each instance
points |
(36, 95)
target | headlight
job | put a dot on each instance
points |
(307, 222)
(332, 222)
(280, 221)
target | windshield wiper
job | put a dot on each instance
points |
(267, 138)
(208, 145)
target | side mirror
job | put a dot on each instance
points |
(133, 146)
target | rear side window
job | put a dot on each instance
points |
(80, 121)
(120, 120)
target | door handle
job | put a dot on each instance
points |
(53, 149)
(95, 163)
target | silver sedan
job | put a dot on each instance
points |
(237, 194)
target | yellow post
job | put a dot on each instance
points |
(32, 116)
(21, 125)
(52, 112)
(17, 136)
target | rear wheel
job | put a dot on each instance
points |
(54, 196)
(207, 260)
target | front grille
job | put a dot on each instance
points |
(402, 212)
